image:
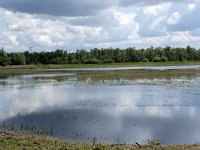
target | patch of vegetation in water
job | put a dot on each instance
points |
(135, 74)
(44, 69)
(127, 64)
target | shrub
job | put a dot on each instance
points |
(108, 61)
(91, 61)
(156, 59)
(163, 59)
(145, 60)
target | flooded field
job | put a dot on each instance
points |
(108, 106)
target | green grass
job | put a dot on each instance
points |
(130, 64)
(38, 69)
(120, 64)
(49, 66)
(27, 141)
(135, 74)
(99, 75)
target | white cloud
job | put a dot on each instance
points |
(160, 24)
(174, 18)
(123, 19)
(191, 6)
(151, 20)
(156, 10)
(31, 29)
(180, 36)
(52, 33)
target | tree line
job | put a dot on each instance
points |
(103, 55)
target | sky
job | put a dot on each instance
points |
(86, 24)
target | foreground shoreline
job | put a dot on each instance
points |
(17, 140)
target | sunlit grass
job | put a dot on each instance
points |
(102, 75)
(129, 64)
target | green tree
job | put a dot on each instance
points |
(17, 59)
(4, 59)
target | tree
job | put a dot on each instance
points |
(17, 59)
(4, 59)
(27, 57)
(103, 55)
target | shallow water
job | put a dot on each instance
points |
(111, 111)
(133, 68)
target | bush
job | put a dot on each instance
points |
(108, 61)
(163, 59)
(156, 59)
(145, 60)
(91, 61)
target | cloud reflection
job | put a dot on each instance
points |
(131, 113)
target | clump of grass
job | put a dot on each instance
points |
(154, 142)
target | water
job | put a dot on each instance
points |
(133, 68)
(110, 110)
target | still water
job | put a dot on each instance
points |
(110, 110)
(136, 68)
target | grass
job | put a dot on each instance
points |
(129, 64)
(101, 75)
(135, 74)
(42, 69)
(25, 141)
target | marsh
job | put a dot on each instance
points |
(112, 106)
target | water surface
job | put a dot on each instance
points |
(111, 110)
(134, 68)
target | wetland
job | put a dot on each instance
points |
(112, 106)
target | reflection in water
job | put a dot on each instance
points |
(128, 126)
(111, 111)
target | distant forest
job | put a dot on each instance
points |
(104, 55)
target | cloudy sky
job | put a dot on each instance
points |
(85, 24)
